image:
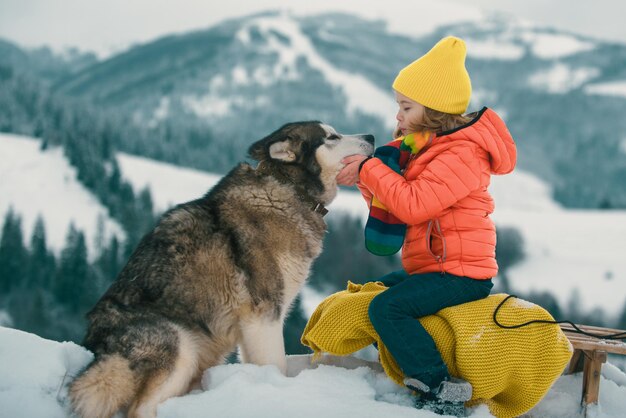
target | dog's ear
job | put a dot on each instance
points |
(283, 151)
(275, 146)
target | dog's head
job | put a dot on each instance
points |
(315, 148)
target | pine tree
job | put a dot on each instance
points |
(74, 284)
(293, 328)
(13, 254)
(547, 301)
(621, 323)
(345, 257)
(109, 262)
(509, 251)
(573, 309)
(145, 209)
(42, 263)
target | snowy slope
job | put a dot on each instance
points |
(37, 182)
(361, 94)
(169, 184)
(35, 374)
(566, 249)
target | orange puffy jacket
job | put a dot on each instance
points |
(442, 197)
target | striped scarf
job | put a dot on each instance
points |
(384, 233)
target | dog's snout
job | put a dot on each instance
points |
(369, 138)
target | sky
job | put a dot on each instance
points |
(111, 26)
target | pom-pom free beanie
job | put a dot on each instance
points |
(438, 79)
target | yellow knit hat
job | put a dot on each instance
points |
(438, 80)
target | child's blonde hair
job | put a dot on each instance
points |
(436, 121)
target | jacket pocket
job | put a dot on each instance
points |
(433, 232)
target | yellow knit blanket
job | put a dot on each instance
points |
(510, 369)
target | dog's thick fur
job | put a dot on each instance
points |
(215, 273)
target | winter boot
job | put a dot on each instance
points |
(447, 399)
(454, 390)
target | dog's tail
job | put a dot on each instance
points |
(107, 385)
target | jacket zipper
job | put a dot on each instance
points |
(439, 258)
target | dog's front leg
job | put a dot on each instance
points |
(262, 343)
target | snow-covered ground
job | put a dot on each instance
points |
(35, 374)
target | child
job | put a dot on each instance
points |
(439, 195)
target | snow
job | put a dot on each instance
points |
(288, 53)
(36, 373)
(239, 75)
(416, 19)
(572, 249)
(33, 373)
(208, 105)
(561, 78)
(522, 191)
(496, 49)
(35, 182)
(563, 399)
(480, 96)
(161, 112)
(165, 180)
(614, 88)
(520, 34)
(274, 395)
(552, 46)
(310, 299)
(284, 38)
(214, 105)
(218, 102)
(361, 94)
(523, 304)
(622, 145)
(475, 339)
(614, 374)
(5, 319)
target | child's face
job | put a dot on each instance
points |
(410, 113)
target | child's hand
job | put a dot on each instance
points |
(349, 175)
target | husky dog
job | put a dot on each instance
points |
(215, 273)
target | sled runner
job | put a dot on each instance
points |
(589, 355)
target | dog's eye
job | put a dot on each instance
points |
(333, 137)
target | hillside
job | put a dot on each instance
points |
(560, 93)
(567, 251)
(37, 182)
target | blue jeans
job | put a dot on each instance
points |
(394, 314)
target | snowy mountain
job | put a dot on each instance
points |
(48, 65)
(36, 373)
(561, 94)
